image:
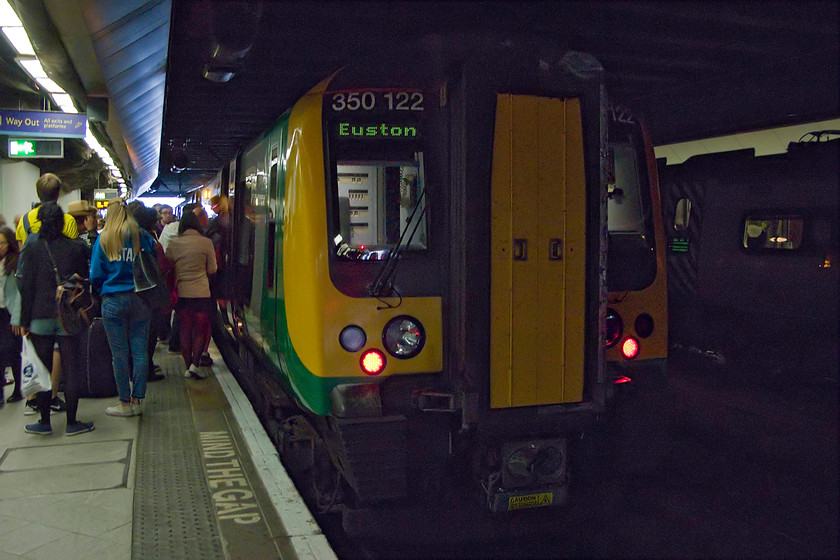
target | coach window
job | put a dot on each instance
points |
(778, 232)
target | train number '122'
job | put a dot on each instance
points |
(369, 100)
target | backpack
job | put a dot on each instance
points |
(76, 307)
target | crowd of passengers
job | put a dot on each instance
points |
(49, 245)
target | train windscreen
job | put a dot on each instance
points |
(631, 255)
(379, 203)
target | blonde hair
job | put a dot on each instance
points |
(120, 226)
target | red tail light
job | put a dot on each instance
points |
(373, 362)
(630, 348)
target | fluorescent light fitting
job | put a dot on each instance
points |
(116, 173)
(69, 109)
(19, 39)
(8, 16)
(50, 85)
(62, 99)
(33, 67)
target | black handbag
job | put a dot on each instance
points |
(149, 282)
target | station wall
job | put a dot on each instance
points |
(17, 189)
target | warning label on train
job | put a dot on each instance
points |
(530, 501)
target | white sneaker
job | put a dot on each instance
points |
(198, 372)
(120, 410)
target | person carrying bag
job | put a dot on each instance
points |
(48, 256)
(125, 315)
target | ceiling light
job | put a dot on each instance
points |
(8, 17)
(50, 85)
(69, 109)
(33, 67)
(19, 39)
(62, 99)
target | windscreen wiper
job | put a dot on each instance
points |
(383, 285)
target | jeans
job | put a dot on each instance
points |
(126, 318)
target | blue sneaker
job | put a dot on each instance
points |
(77, 428)
(38, 428)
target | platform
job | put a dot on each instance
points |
(194, 477)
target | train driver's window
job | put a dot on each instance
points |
(381, 204)
(625, 211)
(773, 232)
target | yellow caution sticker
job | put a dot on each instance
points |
(530, 501)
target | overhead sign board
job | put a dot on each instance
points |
(102, 196)
(42, 123)
(36, 147)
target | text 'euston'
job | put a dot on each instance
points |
(378, 130)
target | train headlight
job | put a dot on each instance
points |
(614, 327)
(404, 337)
(352, 338)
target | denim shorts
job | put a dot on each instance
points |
(47, 327)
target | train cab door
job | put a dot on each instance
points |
(538, 253)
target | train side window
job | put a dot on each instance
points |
(682, 214)
(773, 232)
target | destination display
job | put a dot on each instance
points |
(376, 130)
(42, 123)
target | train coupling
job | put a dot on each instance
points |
(435, 401)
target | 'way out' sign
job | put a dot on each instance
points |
(39, 123)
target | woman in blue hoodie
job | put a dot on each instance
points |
(125, 315)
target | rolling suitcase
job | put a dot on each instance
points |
(97, 369)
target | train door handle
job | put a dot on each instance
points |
(555, 249)
(520, 249)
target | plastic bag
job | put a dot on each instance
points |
(35, 375)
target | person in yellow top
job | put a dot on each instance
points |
(48, 187)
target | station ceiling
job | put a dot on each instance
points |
(692, 69)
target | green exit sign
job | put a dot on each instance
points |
(36, 147)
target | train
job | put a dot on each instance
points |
(418, 284)
(752, 260)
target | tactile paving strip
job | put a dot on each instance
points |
(173, 509)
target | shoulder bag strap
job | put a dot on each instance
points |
(55, 268)
(26, 226)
